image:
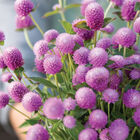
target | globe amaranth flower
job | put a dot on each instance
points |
(81, 73)
(128, 10)
(31, 101)
(118, 2)
(88, 134)
(115, 45)
(13, 58)
(104, 135)
(24, 22)
(80, 56)
(98, 119)
(94, 15)
(6, 76)
(69, 104)
(134, 59)
(50, 35)
(75, 80)
(52, 64)
(131, 98)
(56, 6)
(2, 64)
(2, 36)
(65, 43)
(78, 40)
(84, 33)
(98, 78)
(118, 130)
(23, 7)
(17, 90)
(69, 121)
(4, 99)
(136, 26)
(136, 117)
(39, 65)
(53, 108)
(125, 37)
(98, 57)
(135, 74)
(85, 98)
(40, 48)
(37, 132)
(110, 95)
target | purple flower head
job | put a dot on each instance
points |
(135, 74)
(75, 80)
(98, 57)
(17, 90)
(118, 2)
(65, 43)
(6, 76)
(24, 22)
(2, 36)
(50, 35)
(118, 130)
(56, 6)
(13, 58)
(4, 99)
(136, 117)
(94, 15)
(69, 104)
(31, 101)
(85, 98)
(104, 135)
(69, 121)
(110, 95)
(136, 49)
(85, 34)
(136, 26)
(78, 40)
(98, 119)
(80, 56)
(88, 134)
(114, 43)
(53, 108)
(23, 7)
(134, 59)
(125, 37)
(52, 64)
(2, 64)
(131, 98)
(39, 65)
(57, 52)
(104, 43)
(37, 132)
(98, 78)
(128, 10)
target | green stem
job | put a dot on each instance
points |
(138, 37)
(124, 111)
(108, 8)
(135, 18)
(95, 38)
(101, 102)
(138, 85)
(133, 132)
(108, 111)
(56, 80)
(124, 52)
(70, 59)
(62, 12)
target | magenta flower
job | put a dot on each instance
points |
(85, 98)
(135, 74)
(39, 65)
(57, 52)
(6, 76)
(78, 40)
(4, 99)
(98, 119)
(118, 130)
(136, 117)
(108, 28)
(2, 64)
(136, 26)
(2, 36)
(118, 2)
(75, 80)
(53, 108)
(134, 59)
(104, 135)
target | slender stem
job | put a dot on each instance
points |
(62, 12)
(101, 102)
(120, 48)
(56, 80)
(128, 24)
(24, 74)
(27, 39)
(108, 111)
(38, 27)
(107, 10)
(124, 52)
(70, 59)
(124, 111)
(95, 38)
(135, 18)
(138, 85)
(133, 132)
(138, 37)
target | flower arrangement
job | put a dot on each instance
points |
(91, 83)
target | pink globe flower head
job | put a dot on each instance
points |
(69, 104)
(136, 117)
(110, 95)
(85, 98)
(94, 15)
(131, 98)
(108, 28)
(2, 64)
(104, 135)
(6, 76)
(84, 33)
(2, 36)
(37, 132)
(13, 58)
(53, 108)
(135, 58)
(75, 80)
(23, 7)
(57, 52)
(31, 101)
(88, 134)
(56, 6)
(65, 43)
(40, 48)
(125, 37)
(17, 90)
(69, 121)
(98, 78)
(114, 42)
(81, 73)
(136, 25)
(52, 64)
(118, 2)
(98, 119)
(98, 57)
(128, 10)
(135, 74)
(39, 65)
(79, 40)
(51, 35)
(24, 22)
(80, 56)
(4, 99)
(118, 130)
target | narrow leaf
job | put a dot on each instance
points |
(82, 25)
(50, 13)
(118, 13)
(108, 20)
(72, 6)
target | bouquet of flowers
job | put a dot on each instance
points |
(91, 83)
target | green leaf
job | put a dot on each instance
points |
(44, 82)
(29, 28)
(82, 25)
(18, 72)
(1, 43)
(72, 6)
(33, 87)
(118, 13)
(137, 6)
(131, 123)
(67, 27)
(108, 20)
(50, 13)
